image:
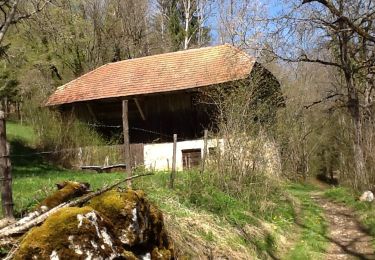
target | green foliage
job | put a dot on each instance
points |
(174, 14)
(175, 29)
(63, 134)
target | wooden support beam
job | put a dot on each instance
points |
(204, 150)
(140, 109)
(125, 125)
(174, 160)
(5, 171)
(89, 108)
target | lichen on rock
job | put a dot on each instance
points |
(75, 233)
(113, 225)
(67, 190)
(137, 223)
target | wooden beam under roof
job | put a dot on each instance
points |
(140, 109)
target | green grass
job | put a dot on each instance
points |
(34, 178)
(19, 132)
(312, 241)
(364, 210)
(193, 192)
(33, 185)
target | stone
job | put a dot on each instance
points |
(138, 223)
(75, 233)
(113, 225)
(67, 190)
(367, 196)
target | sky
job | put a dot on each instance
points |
(270, 8)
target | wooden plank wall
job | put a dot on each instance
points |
(162, 116)
(109, 155)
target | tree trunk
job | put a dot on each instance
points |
(361, 178)
(187, 7)
(353, 104)
(5, 171)
(360, 173)
(8, 20)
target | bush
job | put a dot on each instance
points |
(247, 166)
(60, 135)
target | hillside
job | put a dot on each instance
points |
(202, 221)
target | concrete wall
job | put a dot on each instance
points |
(159, 156)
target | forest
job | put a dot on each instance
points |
(321, 51)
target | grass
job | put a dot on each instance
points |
(199, 214)
(364, 210)
(20, 132)
(312, 241)
(33, 177)
(259, 231)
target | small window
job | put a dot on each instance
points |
(191, 158)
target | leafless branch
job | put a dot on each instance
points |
(322, 100)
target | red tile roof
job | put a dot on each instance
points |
(155, 74)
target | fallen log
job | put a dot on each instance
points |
(101, 169)
(20, 227)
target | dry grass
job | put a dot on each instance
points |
(202, 235)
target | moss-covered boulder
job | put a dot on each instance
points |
(138, 224)
(67, 190)
(114, 225)
(73, 233)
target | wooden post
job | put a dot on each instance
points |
(125, 125)
(173, 172)
(5, 171)
(204, 150)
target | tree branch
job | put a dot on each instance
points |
(321, 100)
(338, 14)
(8, 20)
(28, 15)
(306, 59)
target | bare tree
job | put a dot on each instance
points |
(198, 10)
(344, 33)
(11, 13)
(242, 23)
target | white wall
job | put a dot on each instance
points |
(159, 156)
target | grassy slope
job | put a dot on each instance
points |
(204, 222)
(33, 177)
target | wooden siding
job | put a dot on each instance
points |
(191, 158)
(109, 155)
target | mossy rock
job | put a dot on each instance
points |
(137, 223)
(73, 233)
(67, 191)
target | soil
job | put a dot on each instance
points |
(347, 238)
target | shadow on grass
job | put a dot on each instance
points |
(348, 245)
(27, 160)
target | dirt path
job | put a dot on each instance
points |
(348, 240)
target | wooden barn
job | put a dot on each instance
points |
(155, 97)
